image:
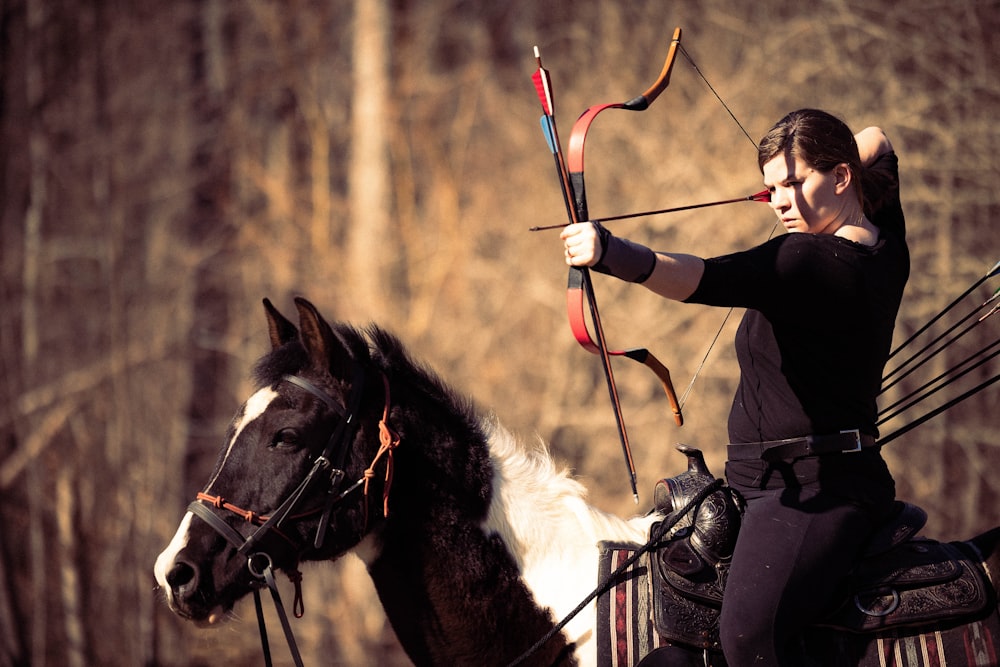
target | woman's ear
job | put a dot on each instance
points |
(843, 178)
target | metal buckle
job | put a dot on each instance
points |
(857, 441)
(259, 563)
(871, 609)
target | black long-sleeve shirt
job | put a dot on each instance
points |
(813, 343)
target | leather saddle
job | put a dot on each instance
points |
(902, 579)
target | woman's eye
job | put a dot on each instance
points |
(286, 437)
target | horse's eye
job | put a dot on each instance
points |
(286, 437)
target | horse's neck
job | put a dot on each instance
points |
(460, 603)
(482, 591)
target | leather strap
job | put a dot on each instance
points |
(845, 442)
(282, 616)
(303, 383)
(220, 526)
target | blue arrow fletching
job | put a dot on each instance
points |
(550, 134)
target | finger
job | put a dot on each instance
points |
(575, 229)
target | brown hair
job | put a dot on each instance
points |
(820, 139)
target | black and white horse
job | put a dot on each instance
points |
(476, 543)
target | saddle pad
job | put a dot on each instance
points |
(971, 645)
(625, 630)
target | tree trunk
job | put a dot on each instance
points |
(371, 250)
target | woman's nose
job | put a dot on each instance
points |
(778, 200)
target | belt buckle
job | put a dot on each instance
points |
(857, 440)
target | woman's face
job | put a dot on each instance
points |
(805, 199)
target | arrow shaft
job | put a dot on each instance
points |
(938, 410)
(989, 274)
(759, 196)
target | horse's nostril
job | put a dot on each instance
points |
(181, 575)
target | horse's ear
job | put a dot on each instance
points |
(278, 327)
(324, 348)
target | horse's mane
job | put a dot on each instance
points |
(390, 355)
(537, 501)
(532, 494)
(372, 345)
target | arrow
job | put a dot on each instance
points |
(762, 196)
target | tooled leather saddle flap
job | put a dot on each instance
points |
(683, 569)
(920, 562)
(917, 582)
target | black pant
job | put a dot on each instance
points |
(806, 524)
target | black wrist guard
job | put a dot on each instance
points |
(622, 258)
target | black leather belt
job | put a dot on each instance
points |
(845, 442)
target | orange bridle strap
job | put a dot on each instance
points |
(389, 440)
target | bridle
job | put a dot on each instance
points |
(328, 465)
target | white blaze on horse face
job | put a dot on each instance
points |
(165, 560)
(252, 409)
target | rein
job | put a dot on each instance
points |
(331, 461)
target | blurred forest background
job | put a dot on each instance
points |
(166, 165)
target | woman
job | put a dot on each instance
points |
(821, 303)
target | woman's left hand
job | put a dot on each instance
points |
(581, 244)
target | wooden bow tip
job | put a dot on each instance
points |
(642, 102)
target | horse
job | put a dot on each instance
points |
(479, 546)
